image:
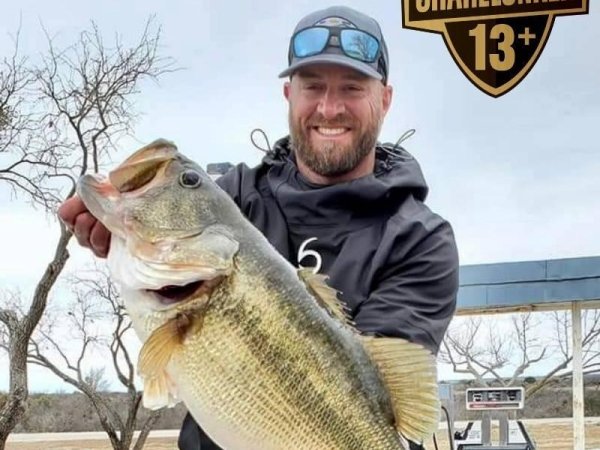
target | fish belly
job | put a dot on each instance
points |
(256, 381)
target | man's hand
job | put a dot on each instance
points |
(87, 229)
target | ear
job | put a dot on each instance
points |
(286, 90)
(387, 97)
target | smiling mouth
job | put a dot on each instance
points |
(330, 131)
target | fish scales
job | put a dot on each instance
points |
(256, 326)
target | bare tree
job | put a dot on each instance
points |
(59, 120)
(363, 47)
(562, 343)
(95, 378)
(477, 347)
(96, 309)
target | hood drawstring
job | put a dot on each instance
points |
(397, 151)
(264, 135)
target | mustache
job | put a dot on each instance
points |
(342, 120)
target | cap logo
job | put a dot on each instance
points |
(335, 22)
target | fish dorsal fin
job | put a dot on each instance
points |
(409, 372)
(156, 354)
(325, 295)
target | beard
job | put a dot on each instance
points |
(332, 158)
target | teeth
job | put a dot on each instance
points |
(331, 131)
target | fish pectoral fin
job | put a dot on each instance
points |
(166, 340)
(409, 372)
(159, 391)
(325, 295)
(160, 346)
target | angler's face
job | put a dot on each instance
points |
(335, 115)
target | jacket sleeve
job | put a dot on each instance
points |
(231, 182)
(415, 296)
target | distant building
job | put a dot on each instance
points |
(215, 170)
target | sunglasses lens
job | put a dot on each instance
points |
(310, 42)
(359, 45)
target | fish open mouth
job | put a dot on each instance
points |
(171, 294)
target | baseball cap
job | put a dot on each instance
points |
(336, 18)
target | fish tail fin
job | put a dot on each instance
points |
(409, 372)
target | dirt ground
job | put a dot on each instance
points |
(550, 434)
(94, 444)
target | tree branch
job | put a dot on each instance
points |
(58, 121)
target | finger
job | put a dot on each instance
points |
(100, 239)
(70, 209)
(83, 227)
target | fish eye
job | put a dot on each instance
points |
(190, 179)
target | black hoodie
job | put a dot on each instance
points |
(393, 261)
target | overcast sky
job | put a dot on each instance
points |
(516, 176)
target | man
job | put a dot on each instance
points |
(330, 197)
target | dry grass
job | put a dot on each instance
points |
(554, 434)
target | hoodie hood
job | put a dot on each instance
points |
(397, 175)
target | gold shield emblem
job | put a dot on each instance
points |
(495, 43)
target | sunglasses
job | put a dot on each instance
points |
(356, 44)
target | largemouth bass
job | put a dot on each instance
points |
(262, 354)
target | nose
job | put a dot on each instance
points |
(330, 105)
